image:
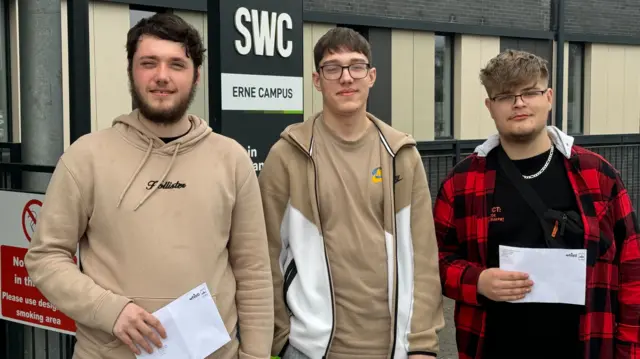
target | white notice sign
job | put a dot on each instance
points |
(262, 93)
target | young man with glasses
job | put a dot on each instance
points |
(349, 222)
(530, 186)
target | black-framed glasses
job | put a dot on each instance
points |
(334, 72)
(525, 96)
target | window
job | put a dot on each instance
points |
(443, 87)
(136, 15)
(575, 84)
(5, 74)
(540, 47)
(363, 30)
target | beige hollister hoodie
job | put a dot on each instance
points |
(152, 221)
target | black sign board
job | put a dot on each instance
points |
(255, 70)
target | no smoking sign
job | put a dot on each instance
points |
(30, 217)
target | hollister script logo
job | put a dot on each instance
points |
(166, 185)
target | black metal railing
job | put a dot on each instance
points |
(20, 341)
(622, 151)
(439, 157)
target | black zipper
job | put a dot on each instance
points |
(289, 274)
(395, 238)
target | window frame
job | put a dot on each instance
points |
(449, 42)
(582, 47)
(6, 8)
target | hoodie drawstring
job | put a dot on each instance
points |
(166, 172)
(135, 174)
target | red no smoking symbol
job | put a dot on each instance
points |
(30, 217)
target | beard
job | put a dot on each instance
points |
(161, 116)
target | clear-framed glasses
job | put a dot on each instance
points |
(526, 96)
(334, 72)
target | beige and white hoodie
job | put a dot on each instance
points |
(304, 291)
(153, 221)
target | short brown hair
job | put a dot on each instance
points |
(513, 68)
(341, 39)
(167, 26)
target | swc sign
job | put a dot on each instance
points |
(260, 66)
(267, 31)
(21, 301)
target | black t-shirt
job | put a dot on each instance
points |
(530, 330)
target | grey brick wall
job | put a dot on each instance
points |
(521, 14)
(610, 17)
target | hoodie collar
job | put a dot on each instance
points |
(301, 134)
(561, 141)
(138, 135)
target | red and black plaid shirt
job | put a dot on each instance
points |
(611, 326)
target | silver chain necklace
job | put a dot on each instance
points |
(543, 167)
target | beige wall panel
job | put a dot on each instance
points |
(110, 97)
(631, 88)
(312, 98)
(15, 69)
(200, 104)
(471, 118)
(402, 78)
(307, 58)
(412, 83)
(612, 89)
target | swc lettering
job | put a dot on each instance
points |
(267, 31)
(166, 185)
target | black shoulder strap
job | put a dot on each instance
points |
(526, 191)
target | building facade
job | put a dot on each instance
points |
(428, 55)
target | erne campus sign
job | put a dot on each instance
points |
(255, 70)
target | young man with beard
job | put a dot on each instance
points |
(581, 204)
(351, 235)
(157, 204)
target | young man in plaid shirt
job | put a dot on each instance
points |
(478, 208)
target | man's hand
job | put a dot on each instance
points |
(499, 285)
(421, 356)
(134, 326)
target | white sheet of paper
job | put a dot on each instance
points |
(193, 325)
(558, 275)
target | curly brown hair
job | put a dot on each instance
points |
(513, 68)
(167, 26)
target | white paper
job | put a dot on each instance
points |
(193, 325)
(558, 275)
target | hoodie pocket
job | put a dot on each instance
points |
(289, 275)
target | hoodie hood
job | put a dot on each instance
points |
(301, 134)
(561, 141)
(138, 135)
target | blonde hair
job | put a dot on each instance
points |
(513, 68)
